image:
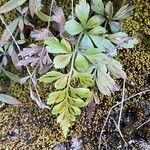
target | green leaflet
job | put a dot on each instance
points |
(86, 79)
(124, 12)
(122, 40)
(77, 102)
(73, 27)
(59, 108)
(56, 97)
(130, 43)
(66, 122)
(42, 16)
(109, 10)
(93, 22)
(61, 61)
(81, 62)
(86, 42)
(57, 77)
(80, 92)
(54, 46)
(105, 83)
(51, 77)
(98, 6)
(116, 68)
(66, 45)
(1, 50)
(114, 26)
(103, 44)
(97, 30)
(62, 82)
(82, 11)
(10, 5)
(93, 54)
(74, 110)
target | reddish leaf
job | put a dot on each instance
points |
(15, 59)
(38, 101)
(9, 100)
(30, 60)
(32, 7)
(41, 34)
(21, 24)
(59, 18)
(30, 51)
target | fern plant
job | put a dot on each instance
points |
(87, 62)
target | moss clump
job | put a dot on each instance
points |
(140, 21)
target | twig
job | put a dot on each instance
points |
(121, 106)
(118, 129)
(143, 124)
(130, 97)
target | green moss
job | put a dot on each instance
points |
(140, 21)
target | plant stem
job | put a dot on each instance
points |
(122, 101)
(73, 59)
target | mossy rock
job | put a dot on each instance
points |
(29, 127)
